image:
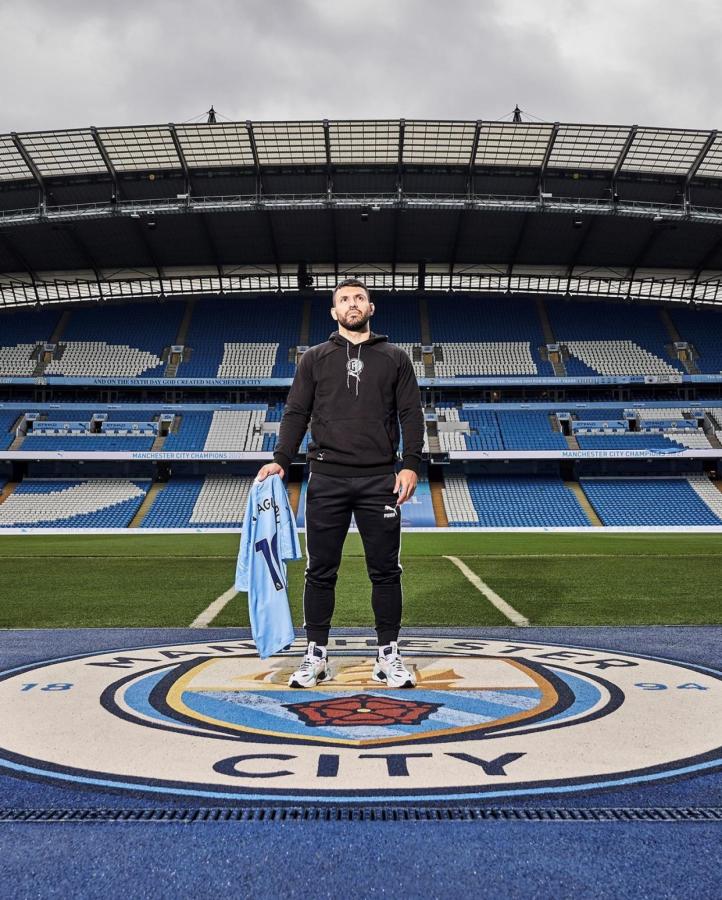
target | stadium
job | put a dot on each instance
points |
(558, 288)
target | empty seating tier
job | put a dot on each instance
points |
(92, 443)
(486, 358)
(240, 430)
(220, 327)
(511, 502)
(702, 329)
(618, 358)
(490, 321)
(611, 339)
(7, 420)
(529, 430)
(73, 503)
(216, 501)
(20, 333)
(123, 340)
(648, 502)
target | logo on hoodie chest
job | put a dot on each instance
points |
(355, 367)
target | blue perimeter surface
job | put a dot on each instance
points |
(367, 859)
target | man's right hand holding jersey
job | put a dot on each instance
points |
(269, 469)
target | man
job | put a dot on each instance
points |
(354, 388)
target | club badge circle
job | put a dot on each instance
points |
(489, 719)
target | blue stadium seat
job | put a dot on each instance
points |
(647, 502)
(524, 502)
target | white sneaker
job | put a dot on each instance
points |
(313, 669)
(390, 669)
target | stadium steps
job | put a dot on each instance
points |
(437, 501)
(294, 495)
(18, 439)
(674, 335)
(145, 506)
(60, 327)
(589, 510)
(688, 362)
(39, 366)
(711, 427)
(572, 442)
(544, 321)
(185, 324)
(7, 490)
(424, 321)
(305, 333)
(428, 359)
(158, 443)
(558, 367)
(171, 369)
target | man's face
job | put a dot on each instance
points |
(352, 308)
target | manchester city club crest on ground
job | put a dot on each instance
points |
(488, 719)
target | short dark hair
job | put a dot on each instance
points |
(349, 282)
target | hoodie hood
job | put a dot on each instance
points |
(339, 339)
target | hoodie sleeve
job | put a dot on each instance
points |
(411, 416)
(296, 414)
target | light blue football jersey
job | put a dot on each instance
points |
(268, 537)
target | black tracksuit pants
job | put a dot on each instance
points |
(330, 501)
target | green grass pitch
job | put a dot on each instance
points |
(143, 580)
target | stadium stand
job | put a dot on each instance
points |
(20, 335)
(485, 358)
(192, 432)
(173, 506)
(90, 443)
(252, 360)
(221, 501)
(487, 331)
(108, 342)
(242, 337)
(240, 430)
(483, 432)
(650, 501)
(628, 441)
(606, 340)
(217, 501)
(73, 503)
(511, 502)
(528, 430)
(7, 420)
(703, 330)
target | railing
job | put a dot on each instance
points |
(20, 292)
(369, 202)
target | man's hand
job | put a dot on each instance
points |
(269, 469)
(405, 485)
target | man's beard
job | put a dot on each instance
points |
(357, 324)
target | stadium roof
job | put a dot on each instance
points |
(619, 211)
(152, 148)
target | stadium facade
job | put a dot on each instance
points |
(556, 286)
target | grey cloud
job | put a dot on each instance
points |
(77, 63)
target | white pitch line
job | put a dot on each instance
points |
(210, 612)
(512, 614)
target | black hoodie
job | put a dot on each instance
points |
(354, 396)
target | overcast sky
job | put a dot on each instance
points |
(71, 63)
